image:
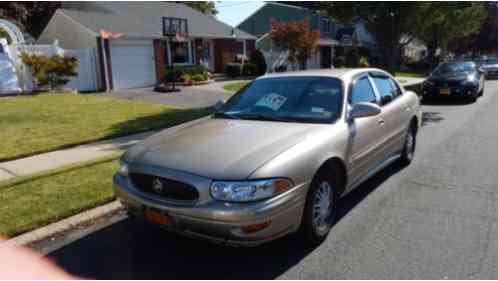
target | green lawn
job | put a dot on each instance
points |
(31, 203)
(234, 87)
(35, 124)
(409, 74)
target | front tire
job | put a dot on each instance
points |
(409, 147)
(320, 208)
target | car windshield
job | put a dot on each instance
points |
(491, 62)
(307, 99)
(447, 68)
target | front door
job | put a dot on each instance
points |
(209, 54)
(395, 112)
(325, 57)
(365, 133)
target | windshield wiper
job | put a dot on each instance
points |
(222, 114)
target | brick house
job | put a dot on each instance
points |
(131, 49)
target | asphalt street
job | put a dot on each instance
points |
(437, 218)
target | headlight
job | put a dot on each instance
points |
(471, 79)
(123, 170)
(245, 191)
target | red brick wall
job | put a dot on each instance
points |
(228, 48)
(160, 58)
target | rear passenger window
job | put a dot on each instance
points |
(396, 88)
(385, 88)
(362, 92)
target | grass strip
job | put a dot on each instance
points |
(35, 201)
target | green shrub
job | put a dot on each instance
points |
(178, 72)
(186, 78)
(198, 77)
(173, 75)
(339, 61)
(259, 61)
(363, 62)
(249, 69)
(233, 69)
(52, 72)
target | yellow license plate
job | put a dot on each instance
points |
(156, 217)
(444, 91)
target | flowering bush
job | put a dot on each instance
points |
(52, 72)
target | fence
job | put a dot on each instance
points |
(86, 80)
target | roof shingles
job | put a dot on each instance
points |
(144, 19)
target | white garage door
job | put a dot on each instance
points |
(133, 64)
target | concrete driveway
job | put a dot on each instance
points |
(188, 97)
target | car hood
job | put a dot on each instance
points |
(450, 76)
(219, 148)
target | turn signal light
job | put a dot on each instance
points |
(255, 227)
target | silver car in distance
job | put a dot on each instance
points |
(274, 159)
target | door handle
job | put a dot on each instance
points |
(382, 122)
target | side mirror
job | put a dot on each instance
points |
(481, 70)
(364, 109)
(219, 105)
(386, 99)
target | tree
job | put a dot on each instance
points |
(389, 23)
(205, 7)
(485, 41)
(395, 24)
(445, 22)
(31, 17)
(297, 38)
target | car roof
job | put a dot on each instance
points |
(340, 73)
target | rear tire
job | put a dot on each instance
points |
(472, 99)
(409, 147)
(321, 208)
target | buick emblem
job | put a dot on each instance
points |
(157, 185)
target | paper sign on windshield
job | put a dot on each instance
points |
(273, 101)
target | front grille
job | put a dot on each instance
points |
(448, 84)
(165, 188)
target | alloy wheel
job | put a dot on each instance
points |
(322, 208)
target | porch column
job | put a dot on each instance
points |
(332, 55)
(245, 48)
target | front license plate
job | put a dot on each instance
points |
(156, 217)
(444, 91)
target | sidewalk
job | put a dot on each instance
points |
(57, 159)
(408, 81)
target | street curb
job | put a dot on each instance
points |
(64, 225)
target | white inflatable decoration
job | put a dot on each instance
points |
(9, 81)
(13, 31)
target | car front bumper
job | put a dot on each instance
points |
(221, 222)
(464, 91)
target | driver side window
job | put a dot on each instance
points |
(362, 92)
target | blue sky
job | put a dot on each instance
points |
(233, 12)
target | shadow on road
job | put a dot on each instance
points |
(431, 117)
(445, 101)
(133, 249)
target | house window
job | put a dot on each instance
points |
(180, 52)
(325, 25)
